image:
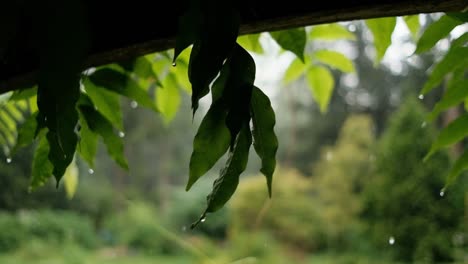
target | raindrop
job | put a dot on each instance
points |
(8, 160)
(352, 28)
(423, 125)
(184, 228)
(391, 240)
(203, 220)
(421, 96)
(442, 192)
(133, 104)
(121, 134)
(174, 64)
(329, 156)
(91, 171)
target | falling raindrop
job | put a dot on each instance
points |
(184, 228)
(423, 125)
(91, 171)
(121, 134)
(174, 64)
(421, 96)
(203, 220)
(8, 160)
(442, 192)
(391, 240)
(329, 156)
(133, 104)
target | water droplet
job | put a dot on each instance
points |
(391, 240)
(203, 220)
(133, 104)
(91, 171)
(184, 228)
(174, 64)
(442, 192)
(121, 134)
(423, 125)
(8, 160)
(421, 96)
(329, 156)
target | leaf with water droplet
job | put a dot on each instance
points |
(87, 145)
(99, 125)
(122, 84)
(210, 142)
(265, 140)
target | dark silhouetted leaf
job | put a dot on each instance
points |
(210, 142)
(382, 29)
(454, 132)
(265, 141)
(435, 32)
(189, 28)
(226, 184)
(99, 125)
(42, 168)
(212, 47)
(293, 40)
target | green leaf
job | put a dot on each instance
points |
(106, 102)
(212, 47)
(452, 133)
(335, 59)
(265, 140)
(87, 145)
(435, 32)
(454, 59)
(23, 94)
(99, 125)
(122, 84)
(26, 133)
(210, 143)
(294, 71)
(293, 40)
(382, 29)
(226, 184)
(42, 168)
(455, 94)
(460, 165)
(251, 42)
(321, 83)
(412, 22)
(180, 71)
(460, 16)
(168, 98)
(332, 31)
(70, 180)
